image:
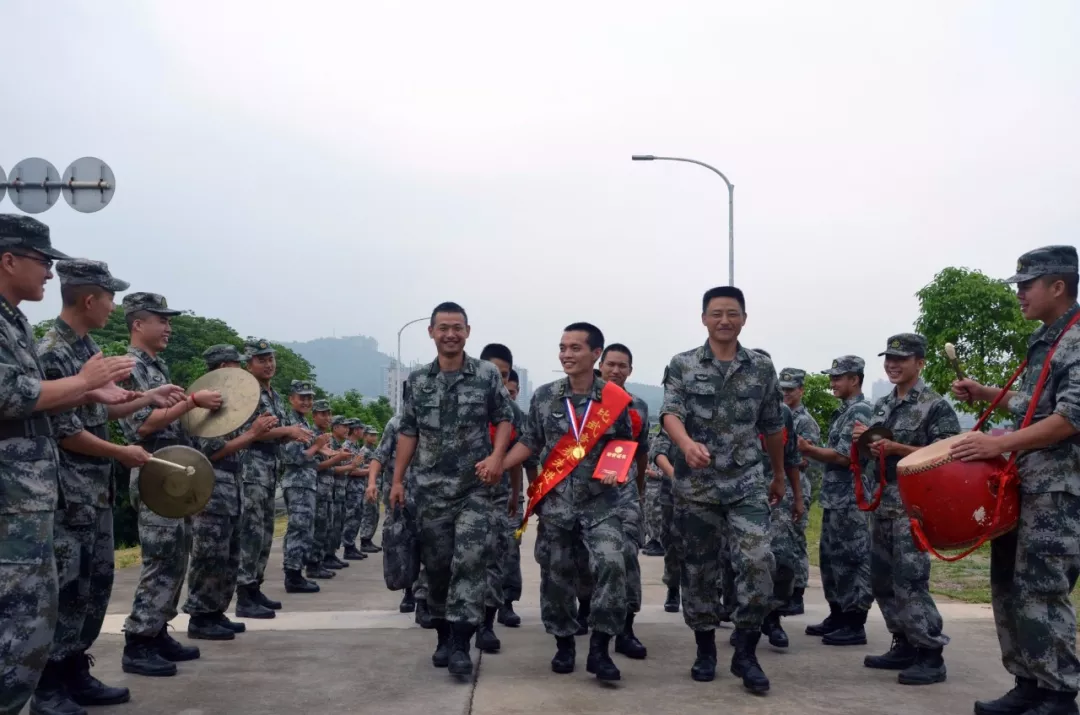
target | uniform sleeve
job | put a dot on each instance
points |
(500, 406)
(770, 418)
(533, 434)
(643, 438)
(65, 424)
(209, 446)
(385, 450)
(792, 457)
(661, 444)
(859, 413)
(292, 452)
(674, 395)
(1066, 366)
(408, 412)
(624, 427)
(19, 391)
(808, 429)
(943, 421)
(138, 382)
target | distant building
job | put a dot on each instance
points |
(391, 379)
(525, 388)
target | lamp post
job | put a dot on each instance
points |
(397, 366)
(731, 203)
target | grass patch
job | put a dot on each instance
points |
(132, 555)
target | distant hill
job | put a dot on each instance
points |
(350, 363)
(652, 394)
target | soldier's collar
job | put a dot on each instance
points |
(1050, 333)
(563, 388)
(65, 331)
(10, 311)
(705, 353)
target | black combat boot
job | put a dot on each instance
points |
(84, 688)
(583, 611)
(772, 630)
(1015, 702)
(368, 547)
(653, 548)
(899, 656)
(354, 554)
(441, 657)
(408, 603)
(222, 620)
(202, 627)
(830, 624)
(928, 668)
(142, 657)
(317, 571)
(332, 564)
(566, 652)
(50, 696)
(486, 640)
(599, 662)
(627, 643)
(460, 662)
(671, 605)
(1054, 702)
(744, 662)
(296, 583)
(261, 598)
(704, 668)
(795, 605)
(852, 630)
(174, 650)
(507, 617)
(248, 607)
(423, 615)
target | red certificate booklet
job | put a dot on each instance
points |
(617, 457)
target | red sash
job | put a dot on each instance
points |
(635, 423)
(560, 461)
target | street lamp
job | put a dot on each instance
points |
(397, 366)
(731, 203)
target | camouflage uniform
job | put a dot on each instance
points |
(28, 495)
(845, 532)
(450, 415)
(165, 542)
(783, 531)
(215, 531)
(662, 445)
(807, 428)
(1034, 567)
(324, 503)
(900, 572)
(299, 483)
(369, 513)
(258, 477)
(725, 407)
(337, 505)
(503, 528)
(654, 509)
(386, 455)
(579, 509)
(355, 504)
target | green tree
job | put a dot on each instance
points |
(982, 318)
(352, 404)
(819, 400)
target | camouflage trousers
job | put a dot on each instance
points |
(654, 516)
(324, 509)
(83, 538)
(785, 548)
(512, 569)
(630, 514)
(669, 536)
(802, 570)
(455, 547)
(354, 510)
(28, 602)
(900, 582)
(1033, 570)
(420, 585)
(337, 515)
(845, 558)
(702, 550)
(369, 515)
(500, 551)
(165, 550)
(559, 553)
(256, 533)
(215, 561)
(299, 543)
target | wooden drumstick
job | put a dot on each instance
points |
(165, 463)
(950, 353)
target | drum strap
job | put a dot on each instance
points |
(1008, 474)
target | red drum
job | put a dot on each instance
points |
(952, 504)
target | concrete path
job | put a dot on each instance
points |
(348, 650)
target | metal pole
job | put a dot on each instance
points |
(731, 203)
(397, 367)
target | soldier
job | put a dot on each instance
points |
(324, 549)
(446, 423)
(299, 484)
(661, 454)
(900, 572)
(378, 490)
(215, 531)
(166, 542)
(83, 532)
(806, 427)
(570, 423)
(340, 441)
(654, 511)
(355, 488)
(515, 508)
(844, 550)
(717, 399)
(1033, 568)
(369, 511)
(258, 477)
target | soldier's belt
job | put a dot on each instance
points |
(36, 426)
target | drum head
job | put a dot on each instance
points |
(935, 452)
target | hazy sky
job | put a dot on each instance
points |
(304, 169)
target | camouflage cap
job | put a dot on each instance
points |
(370, 429)
(339, 421)
(791, 377)
(355, 424)
(217, 354)
(301, 387)
(258, 347)
(321, 406)
(905, 345)
(845, 365)
(1045, 261)
(150, 302)
(18, 231)
(84, 272)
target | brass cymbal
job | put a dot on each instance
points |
(869, 437)
(239, 399)
(175, 493)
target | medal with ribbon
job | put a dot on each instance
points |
(576, 427)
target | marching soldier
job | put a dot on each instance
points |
(215, 531)
(845, 532)
(340, 441)
(661, 454)
(445, 424)
(515, 508)
(323, 553)
(355, 488)
(1033, 568)
(299, 484)
(369, 511)
(806, 427)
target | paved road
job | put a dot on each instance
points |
(348, 650)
